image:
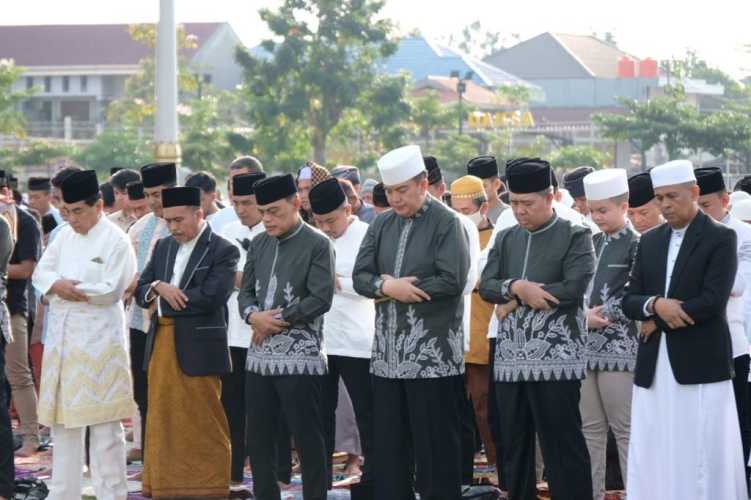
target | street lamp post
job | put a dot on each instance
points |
(461, 87)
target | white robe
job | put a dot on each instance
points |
(473, 237)
(685, 441)
(238, 331)
(86, 377)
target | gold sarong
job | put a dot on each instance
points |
(187, 436)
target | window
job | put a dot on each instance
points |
(66, 83)
(48, 84)
(84, 83)
(29, 82)
(207, 78)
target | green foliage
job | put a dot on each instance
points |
(454, 151)
(692, 66)
(137, 107)
(323, 58)
(41, 152)
(517, 96)
(667, 119)
(476, 40)
(115, 148)
(428, 115)
(576, 156)
(11, 119)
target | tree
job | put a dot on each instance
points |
(136, 108)
(205, 140)
(667, 119)
(576, 156)
(322, 58)
(428, 115)
(692, 66)
(455, 151)
(115, 148)
(479, 42)
(11, 118)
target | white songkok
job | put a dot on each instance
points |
(605, 184)
(741, 210)
(737, 196)
(400, 165)
(305, 174)
(672, 173)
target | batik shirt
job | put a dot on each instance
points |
(296, 274)
(614, 347)
(144, 234)
(421, 340)
(535, 345)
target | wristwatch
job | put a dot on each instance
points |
(378, 285)
(151, 294)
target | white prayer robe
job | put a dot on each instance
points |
(238, 331)
(685, 442)
(473, 237)
(349, 326)
(86, 377)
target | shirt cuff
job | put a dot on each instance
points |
(647, 305)
(150, 295)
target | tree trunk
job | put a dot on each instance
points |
(319, 147)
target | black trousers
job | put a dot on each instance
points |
(468, 434)
(550, 409)
(140, 378)
(740, 387)
(417, 419)
(7, 469)
(233, 400)
(298, 398)
(493, 421)
(355, 372)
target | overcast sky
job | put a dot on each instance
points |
(661, 29)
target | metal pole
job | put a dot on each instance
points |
(166, 129)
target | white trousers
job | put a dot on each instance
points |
(606, 403)
(106, 459)
(685, 441)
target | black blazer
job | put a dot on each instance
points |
(208, 281)
(702, 278)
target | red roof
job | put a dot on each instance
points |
(82, 44)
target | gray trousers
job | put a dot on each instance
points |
(606, 402)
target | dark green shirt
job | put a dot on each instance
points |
(614, 347)
(420, 340)
(532, 344)
(294, 273)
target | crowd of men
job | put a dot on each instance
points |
(405, 322)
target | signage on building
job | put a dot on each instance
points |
(500, 119)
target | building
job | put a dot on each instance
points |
(582, 75)
(422, 58)
(77, 70)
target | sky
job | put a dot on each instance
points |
(660, 29)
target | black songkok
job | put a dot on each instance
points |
(181, 197)
(326, 196)
(274, 188)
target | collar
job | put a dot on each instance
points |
(424, 207)
(547, 225)
(292, 232)
(621, 232)
(192, 242)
